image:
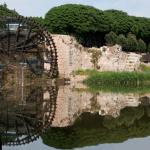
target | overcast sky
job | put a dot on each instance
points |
(40, 7)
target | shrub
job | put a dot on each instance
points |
(111, 38)
(141, 45)
(148, 48)
(132, 43)
(121, 40)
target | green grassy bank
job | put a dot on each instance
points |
(117, 81)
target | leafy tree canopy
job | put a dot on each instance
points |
(73, 18)
(120, 22)
(4, 11)
(90, 25)
(84, 22)
(93, 27)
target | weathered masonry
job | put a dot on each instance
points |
(72, 56)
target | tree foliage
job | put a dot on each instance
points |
(88, 24)
(132, 43)
(141, 45)
(120, 22)
(40, 20)
(91, 26)
(4, 11)
(148, 48)
(122, 40)
(111, 38)
(94, 27)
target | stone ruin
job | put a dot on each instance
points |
(72, 56)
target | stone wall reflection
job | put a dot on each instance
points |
(71, 103)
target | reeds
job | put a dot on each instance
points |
(118, 79)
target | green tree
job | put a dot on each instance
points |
(132, 43)
(4, 11)
(111, 38)
(120, 22)
(5, 5)
(141, 45)
(88, 24)
(121, 40)
(135, 29)
(40, 20)
(148, 48)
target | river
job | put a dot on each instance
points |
(46, 117)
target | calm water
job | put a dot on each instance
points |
(44, 117)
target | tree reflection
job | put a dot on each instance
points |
(92, 129)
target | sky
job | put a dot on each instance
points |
(40, 7)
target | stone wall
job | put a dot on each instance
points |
(73, 56)
(114, 59)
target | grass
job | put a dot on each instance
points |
(117, 89)
(119, 78)
(144, 68)
(117, 81)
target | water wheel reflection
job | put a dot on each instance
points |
(23, 123)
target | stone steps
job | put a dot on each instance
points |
(131, 61)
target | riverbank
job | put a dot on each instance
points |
(116, 81)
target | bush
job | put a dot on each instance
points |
(148, 48)
(132, 43)
(121, 40)
(111, 38)
(145, 68)
(141, 45)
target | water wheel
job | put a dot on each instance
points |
(23, 40)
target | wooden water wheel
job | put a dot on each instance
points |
(23, 40)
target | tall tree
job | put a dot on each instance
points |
(121, 40)
(141, 45)
(111, 38)
(132, 43)
(4, 11)
(120, 22)
(87, 23)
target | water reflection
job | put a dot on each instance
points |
(72, 102)
(23, 122)
(67, 117)
(92, 129)
(85, 119)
